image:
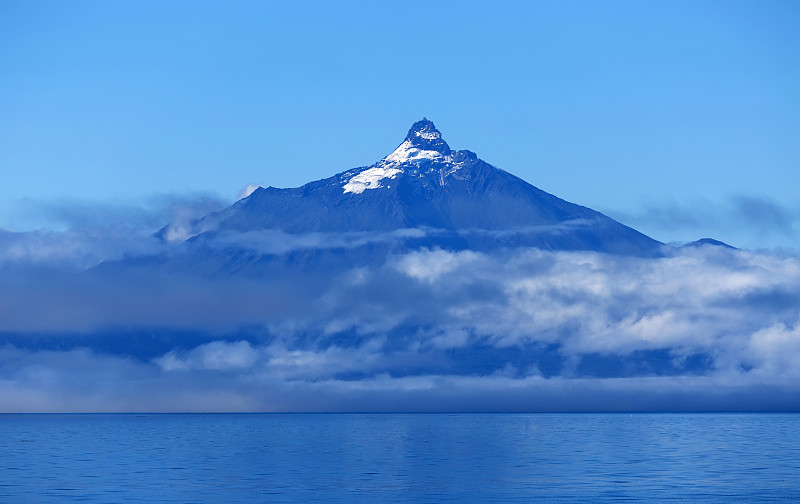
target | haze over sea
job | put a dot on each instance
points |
(400, 458)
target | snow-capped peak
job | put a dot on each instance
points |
(423, 142)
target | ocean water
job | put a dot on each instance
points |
(400, 458)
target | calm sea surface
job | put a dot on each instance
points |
(400, 458)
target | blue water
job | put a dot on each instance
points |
(400, 458)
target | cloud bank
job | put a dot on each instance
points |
(424, 330)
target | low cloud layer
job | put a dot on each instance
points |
(428, 329)
(80, 381)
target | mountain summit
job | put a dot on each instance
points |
(452, 198)
(424, 135)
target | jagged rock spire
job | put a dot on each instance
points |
(424, 135)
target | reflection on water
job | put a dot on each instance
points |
(401, 458)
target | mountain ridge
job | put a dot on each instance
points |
(424, 184)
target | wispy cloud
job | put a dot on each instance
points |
(747, 221)
(79, 234)
(765, 216)
(147, 214)
(247, 191)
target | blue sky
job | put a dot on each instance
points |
(678, 118)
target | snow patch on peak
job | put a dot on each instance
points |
(407, 152)
(370, 179)
(428, 135)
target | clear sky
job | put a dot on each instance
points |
(681, 119)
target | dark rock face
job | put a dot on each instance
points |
(424, 135)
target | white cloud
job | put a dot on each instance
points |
(215, 356)
(429, 265)
(597, 303)
(775, 350)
